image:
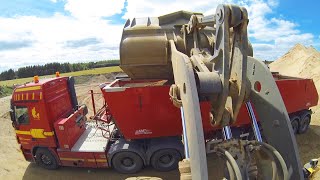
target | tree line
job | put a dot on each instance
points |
(51, 68)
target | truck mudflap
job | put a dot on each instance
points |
(273, 115)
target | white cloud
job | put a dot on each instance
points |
(94, 8)
(274, 36)
(264, 29)
(152, 8)
(273, 3)
(263, 47)
(50, 36)
(281, 45)
(290, 40)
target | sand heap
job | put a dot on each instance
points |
(300, 61)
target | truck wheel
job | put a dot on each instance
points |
(304, 124)
(165, 160)
(295, 124)
(46, 159)
(127, 162)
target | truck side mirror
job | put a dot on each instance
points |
(13, 118)
(12, 115)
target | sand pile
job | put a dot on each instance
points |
(299, 61)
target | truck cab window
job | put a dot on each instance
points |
(21, 114)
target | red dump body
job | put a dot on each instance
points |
(297, 94)
(142, 108)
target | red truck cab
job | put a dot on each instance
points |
(35, 108)
(38, 109)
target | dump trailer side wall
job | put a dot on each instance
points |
(146, 111)
(298, 94)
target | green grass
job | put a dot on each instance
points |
(5, 91)
(95, 71)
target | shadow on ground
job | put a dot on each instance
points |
(33, 172)
(309, 144)
(309, 147)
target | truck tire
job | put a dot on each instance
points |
(46, 159)
(295, 124)
(165, 159)
(304, 123)
(127, 162)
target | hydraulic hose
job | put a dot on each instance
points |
(280, 171)
(233, 168)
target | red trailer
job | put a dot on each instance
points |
(144, 100)
(138, 126)
(298, 95)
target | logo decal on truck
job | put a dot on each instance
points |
(142, 131)
(35, 114)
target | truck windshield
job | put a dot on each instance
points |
(21, 114)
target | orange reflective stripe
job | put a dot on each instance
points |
(101, 160)
(71, 159)
(97, 160)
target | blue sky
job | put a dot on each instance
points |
(304, 13)
(41, 31)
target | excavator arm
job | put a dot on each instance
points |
(235, 78)
(185, 90)
(209, 58)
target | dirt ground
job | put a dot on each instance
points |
(13, 165)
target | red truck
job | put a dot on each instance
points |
(138, 126)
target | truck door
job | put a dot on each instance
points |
(32, 126)
(21, 122)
